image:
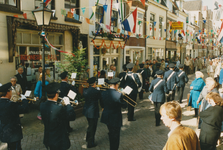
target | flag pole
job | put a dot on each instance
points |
(111, 15)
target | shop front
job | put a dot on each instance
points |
(171, 50)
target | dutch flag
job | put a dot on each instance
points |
(220, 39)
(46, 2)
(130, 22)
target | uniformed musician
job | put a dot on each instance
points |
(112, 114)
(55, 118)
(122, 76)
(10, 126)
(158, 89)
(157, 69)
(91, 110)
(64, 89)
(143, 73)
(132, 80)
(171, 79)
(183, 79)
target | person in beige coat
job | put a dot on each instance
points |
(16, 90)
(179, 137)
(211, 70)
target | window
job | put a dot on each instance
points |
(160, 26)
(98, 17)
(150, 53)
(139, 27)
(152, 19)
(114, 18)
(70, 6)
(10, 6)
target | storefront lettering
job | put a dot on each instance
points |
(36, 57)
(38, 52)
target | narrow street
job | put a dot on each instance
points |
(139, 135)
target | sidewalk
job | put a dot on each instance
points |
(138, 135)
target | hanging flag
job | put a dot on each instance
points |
(105, 8)
(81, 18)
(139, 22)
(143, 2)
(83, 10)
(94, 8)
(63, 12)
(154, 23)
(183, 32)
(163, 23)
(179, 22)
(130, 4)
(87, 20)
(46, 2)
(16, 16)
(25, 15)
(155, 29)
(69, 15)
(147, 23)
(147, 37)
(165, 30)
(130, 22)
(170, 23)
(204, 21)
(220, 39)
(76, 17)
(199, 31)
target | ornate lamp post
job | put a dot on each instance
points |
(43, 17)
(180, 41)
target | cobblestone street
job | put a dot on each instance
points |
(139, 135)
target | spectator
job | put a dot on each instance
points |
(40, 69)
(136, 67)
(211, 122)
(196, 88)
(211, 70)
(49, 77)
(115, 73)
(21, 79)
(162, 65)
(38, 91)
(16, 90)
(179, 137)
(186, 65)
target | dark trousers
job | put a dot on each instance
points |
(205, 146)
(130, 107)
(196, 111)
(186, 69)
(157, 112)
(92, 126)
(141, 94)
(114, 137)
(171, 96)
(180, 91)
(15, 145)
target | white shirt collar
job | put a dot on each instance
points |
(171, 131)
(52, 101)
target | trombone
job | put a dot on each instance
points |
(133, 105)
(62, 102)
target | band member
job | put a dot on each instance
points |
(132, 80)
(158, 89)
(143, 74)
(183, 79)
(157, 69)
(171, 79)
(64, 89)
(122, 76)
(10, 126)
(55, 118)
(112, 115)
(91, 110)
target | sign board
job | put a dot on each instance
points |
(177, 26)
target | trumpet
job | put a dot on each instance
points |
(29, 99)
(133, 105)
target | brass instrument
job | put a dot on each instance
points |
(29, 99)
(62, 102)
(133, 105)
(81, 82)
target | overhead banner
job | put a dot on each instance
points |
(177, 26)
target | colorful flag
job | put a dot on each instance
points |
(130, 22)
(220, 39)
(143, 2)
(83, 9)
(46, 2)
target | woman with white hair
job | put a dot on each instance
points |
(196, 88)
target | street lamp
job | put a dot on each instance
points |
(43, 17)
(180, 41)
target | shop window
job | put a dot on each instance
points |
(10, 6)
(152, 19)
(58, 39)
(98, 17)
(70, 6)
(19, 38)
(26, 38)
(150, 53)
(51, 39)
(34, 54)
(160, 27)
(96, 51)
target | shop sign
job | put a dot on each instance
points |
(177, 26)
(38, 52)
(36, 57)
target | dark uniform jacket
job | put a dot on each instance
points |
(143, 76)
(131, 83)
(182, 79)
(148, 72)
(65, 88)
(10, 126)
(122, 79)
(173, 80)
(22, 81)
(55, 117)
(113, 102)
(91, 108)
(159, 92)
(211, 124)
